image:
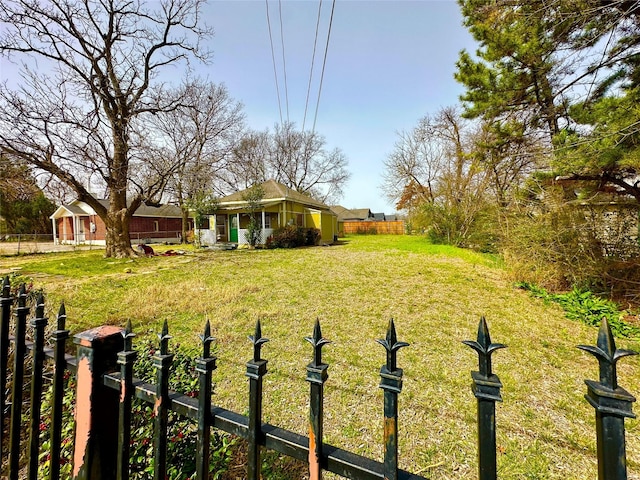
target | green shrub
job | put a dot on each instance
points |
(291, 236)
(584, 306)
(254, 232)
(312, 236)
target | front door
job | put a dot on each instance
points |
(233, 228)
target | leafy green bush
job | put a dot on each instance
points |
(254, 232)
(312, 236)
(291, 236)
(181, 432)
(584, 306)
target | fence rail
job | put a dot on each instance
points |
(106, 387)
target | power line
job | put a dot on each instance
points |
(313, 60)
(284, 63)
(273, 59)
(324, 62)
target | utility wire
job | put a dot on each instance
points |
(313, 60)
(273, 59)
(284, 63)
(324, 62)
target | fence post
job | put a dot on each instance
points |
(205, 365)
(486, 387)
(96, 441)
(162, 363)
(38, 323)
(256, 370)
(18, 377)
(126, 359)
(60, 336)
(316, 376)
(612, 404)
(391, 383)
(6, 301)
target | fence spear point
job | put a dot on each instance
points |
(258, 340)
(317, 342)
(607, 354)
(128, 336)
(164, 338)
(40, 305)
(391, 345)
(62, 317)
(22, 296)
(206, 339)
(484, 347)
(6, 287)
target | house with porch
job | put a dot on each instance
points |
(77, 223)
(279, 206)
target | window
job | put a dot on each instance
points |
(267, 220)
(299, 219)
(203, 224)
(156, 226)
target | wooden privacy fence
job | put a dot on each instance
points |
(103, 367)
(395, 227)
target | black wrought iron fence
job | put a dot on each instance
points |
(106, 387)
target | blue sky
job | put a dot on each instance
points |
(389, 63)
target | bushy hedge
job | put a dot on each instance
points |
(291, 236)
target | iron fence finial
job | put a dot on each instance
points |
(607, 354)
(22, 296)
(164, 338)
(484, 347)
(62, 317)
(258, 340)
(391, 345)
(128, 335)
(317, 342)
(40, 305)
(6, 287)
(206, 340)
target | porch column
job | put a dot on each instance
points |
(76, 229)
(55, 236)
(238, 227)
(262, 237)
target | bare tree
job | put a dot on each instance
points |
(435, 174)
(296, 159)
(79, 112)
(199, 137)
(247, 165)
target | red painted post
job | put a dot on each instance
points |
(96, 442)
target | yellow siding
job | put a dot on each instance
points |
(313, 220)
(329, 227)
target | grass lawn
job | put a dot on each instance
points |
(435, 294)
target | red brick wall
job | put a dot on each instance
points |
(144, 227)
(61, 224)
(139, 228)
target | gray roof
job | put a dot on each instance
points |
(163, 211)
(346, 215)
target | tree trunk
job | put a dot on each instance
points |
(118, 243)
(185, 223)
